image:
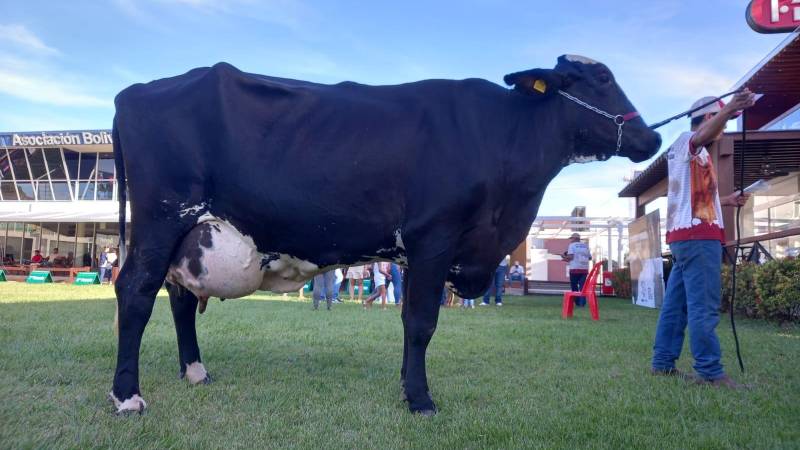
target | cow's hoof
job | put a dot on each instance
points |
(422, 405)
(135, 404)
(196, 373)
(426, 412)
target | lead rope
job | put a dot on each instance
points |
(738, 238)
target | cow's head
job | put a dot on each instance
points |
(594, 135)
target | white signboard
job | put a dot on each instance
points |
(647, 267)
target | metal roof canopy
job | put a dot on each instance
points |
(777, 77)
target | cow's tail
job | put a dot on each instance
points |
(122, 195)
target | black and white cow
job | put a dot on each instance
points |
(240, 182)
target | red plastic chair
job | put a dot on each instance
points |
(588, 291)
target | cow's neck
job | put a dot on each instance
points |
(542, 143)
(539, 146)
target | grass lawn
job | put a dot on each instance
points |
(286, 376)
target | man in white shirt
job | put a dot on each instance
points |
(694, 235)
(577, 257)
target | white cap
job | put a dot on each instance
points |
(713, 108)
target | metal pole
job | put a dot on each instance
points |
(619, 244)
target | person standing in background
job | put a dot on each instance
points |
(499, 280)
(577, 257)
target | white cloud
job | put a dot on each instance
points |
(32, 81)
(20, 36)
(44, 90)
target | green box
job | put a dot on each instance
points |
(2, 275)
(39, 276)
(85, 278)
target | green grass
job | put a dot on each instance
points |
(285, 376)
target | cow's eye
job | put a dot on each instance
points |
(604, 77)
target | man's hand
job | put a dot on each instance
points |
(735, 199)
(741, 100)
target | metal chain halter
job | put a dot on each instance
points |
(619, 120)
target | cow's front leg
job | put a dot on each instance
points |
(138, 283)
(184, 310)
(420, 316)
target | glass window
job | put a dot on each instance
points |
(61, 190)
(66, 244)
(5, 166)
(31, 240)
(105, 190)
(72, 159)
(18, 164)
(790, 122)
(2, 241)
(86, 190)
(107, 235)
(43, 190)
(54, 164)
(25, 190)
(105, 166)
(13, 251)
(84, 250)
(36, 160)
(49, 237)
(8, 191)
(88, 166)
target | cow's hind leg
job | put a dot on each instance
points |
(404, 308)
(184, 311)
(139, 281)
(420, 316)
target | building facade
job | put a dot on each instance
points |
(58, 190)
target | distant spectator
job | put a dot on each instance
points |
(499, 280)
(107, 260)
(577, 256)
(55, 259)
(323, 288)
(397, 283)
(37, 257)
(70, 260)
(338, 277)
(380, 273)
(355, 274)
(517, 273)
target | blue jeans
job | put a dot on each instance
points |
(576, 281)
(499, 279)
(397, 282)
(693, 298)
(323, 288)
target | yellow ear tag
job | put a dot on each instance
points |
(540, 86)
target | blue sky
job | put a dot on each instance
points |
(61, 63)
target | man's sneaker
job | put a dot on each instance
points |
(724, 382)
(498, 304)
(484, 304)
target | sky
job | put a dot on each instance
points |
(62, 63)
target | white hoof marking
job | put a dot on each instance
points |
(196, 372)
(135, 403)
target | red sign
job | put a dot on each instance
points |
(774, 16)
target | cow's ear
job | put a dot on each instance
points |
(539, 83)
